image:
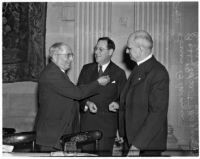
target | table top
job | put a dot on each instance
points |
(37, 154)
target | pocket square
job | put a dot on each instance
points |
(113, 82)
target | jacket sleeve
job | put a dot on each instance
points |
(121, 117)
(121, 83)
(81, 80)
(61, 84)
(158, 108)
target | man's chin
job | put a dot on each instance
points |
(132, 58)
(97, 59)
(67, 67)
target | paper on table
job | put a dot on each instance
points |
(61, 153)
(8, 148)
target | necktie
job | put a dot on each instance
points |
(100, 71)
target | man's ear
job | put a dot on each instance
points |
(54, 58)
(111, 52)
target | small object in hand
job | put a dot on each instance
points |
(85, 108)
(8, 148)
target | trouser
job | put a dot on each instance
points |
(105, 147)
(151, 153)
(142, 152)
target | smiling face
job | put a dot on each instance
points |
(63, 57)
(102, 53)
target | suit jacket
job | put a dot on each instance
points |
(58, 105)
(103, 120)
(145, 100)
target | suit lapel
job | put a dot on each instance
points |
(128, 84)
(139, 77)
(107, 70)
(65, 76)
(143, 71)
(57, 69)
(94, 73)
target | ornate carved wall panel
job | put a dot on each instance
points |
(184, 73)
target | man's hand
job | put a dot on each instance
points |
(103, 80)
(119, 139)
(92, 107)
(113, 106)
(133, 151)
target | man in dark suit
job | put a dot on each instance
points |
(100, 112)
(58, 99)
(145, 99)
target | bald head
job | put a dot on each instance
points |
(139, 45)
(142, 39)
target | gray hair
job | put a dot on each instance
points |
(143, 38)
(59, 47)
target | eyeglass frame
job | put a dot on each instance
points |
(101, 49)
(69, 55)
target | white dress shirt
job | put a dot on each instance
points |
(104, 66)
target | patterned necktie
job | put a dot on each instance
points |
(100, 71)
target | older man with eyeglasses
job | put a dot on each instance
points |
(58, 98)
(100, 112)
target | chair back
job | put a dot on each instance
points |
(7, 131)
(19, 140)
(71, 142)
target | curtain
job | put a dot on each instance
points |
(23, 41)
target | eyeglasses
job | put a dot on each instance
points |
(69, 55)
(100, 49)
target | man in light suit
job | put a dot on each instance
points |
(58, 99)
(145, 99)
(100, 112)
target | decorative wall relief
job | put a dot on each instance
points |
(123, 21)
(23, 41)
(185, 63)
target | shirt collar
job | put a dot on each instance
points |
(104, 66)
(58, 66)
(142, 61)
(62, 70)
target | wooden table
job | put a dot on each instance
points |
(36, 154)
